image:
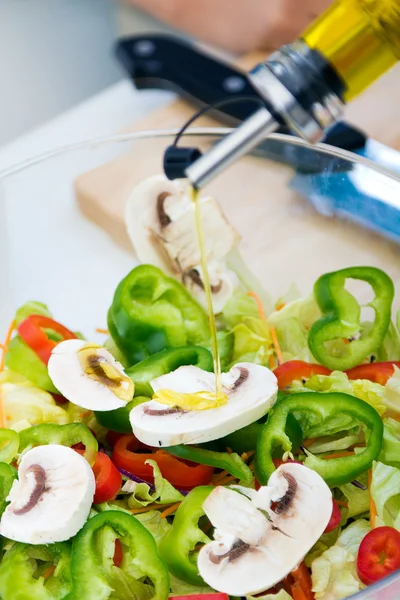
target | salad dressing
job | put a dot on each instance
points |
(205, 399)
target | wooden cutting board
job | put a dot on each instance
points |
(284, 239)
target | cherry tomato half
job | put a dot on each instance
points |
(335, 517)
(108, 479)
(378, 554)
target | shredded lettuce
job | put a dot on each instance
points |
(157, 526)
(181, 588)
(337, 441)
(142, 495)
(390, 348)
(390, 454)
(334, 573)
(239, 306)
(292, 323)
(385, 492)
(392, 392)
(21, 359)
(250, 283)
(25, 404)
(31, 308)
(252, 342)
(357, 499)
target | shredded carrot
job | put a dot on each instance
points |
(49, 572)
(229, 450)
(215, 480)
(308, 442)
(147, 508)
(342, 503)
(101, 330)
(228, 479)
(372, 507)
(302, 587)
(271, 362)
(6, 342)
(171, 509)
(276, 345)
(280, 306)
(337, 455)
(247, 455)
(85, 414)
(260, 307)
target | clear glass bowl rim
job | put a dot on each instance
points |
(321, 148)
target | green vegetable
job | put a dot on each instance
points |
(392, 391)
(142, 574)
(24, 404)
(9, 444)
(245, 439)
(390, 454)
(385, 492)
(7, 476)
(240, 305)
(373, 393)
(281, 595)
(319, 407)
(65, 435)
(357, 499)
(334, 574)
(144, 372)
(31, 308)
(164, 493)
(341, 317)
(182, 588)
(22, 569)
(232, 463)
(252, 342)
(176, 548)
(151, 312)
(292, 323)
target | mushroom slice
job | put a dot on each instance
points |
(89, 376)
(51, 500)
(249, 555)
(251, 390)
(161, 224)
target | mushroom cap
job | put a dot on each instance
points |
(60, 508)
(67, 375)
(246, 403)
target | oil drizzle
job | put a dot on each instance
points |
(208, 292)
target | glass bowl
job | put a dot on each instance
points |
(54, 250)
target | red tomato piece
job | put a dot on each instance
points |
(118, 553)
(108, 479)
(297, 370)
(378, 554)
(379, 372)
(128, 455)
(335, 517)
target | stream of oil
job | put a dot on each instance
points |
(207, 290)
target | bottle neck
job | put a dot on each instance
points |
(359, 38)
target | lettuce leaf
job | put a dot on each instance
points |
(292, 323)
(21, 359)
(26, 404)
(157, 526)
(281, 595)
(181, 588)
(334, 573)
(239, 306)
(385, 492)
(390, 348)
(390, 454)
(392, 392)
(142, 494)
(31, 308)
(252, 342)
(358, 500)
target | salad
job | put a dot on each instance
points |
(124, 476)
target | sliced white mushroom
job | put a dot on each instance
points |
(51, 500)
(161, 224)
(251, 391)
(89, 376)
(261, 539)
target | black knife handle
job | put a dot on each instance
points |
(166, 62)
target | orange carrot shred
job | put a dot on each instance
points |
(280, 306)
(260, 307)
(215, 480)
(337, 455)
(101, 330)
(171, 509)
(229, 450)
(49, 572)
(227, 480)
(372, 507)
(342, 503)
(149, 507)
(276, 345)
(302, 587)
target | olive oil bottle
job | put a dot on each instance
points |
(359, 38)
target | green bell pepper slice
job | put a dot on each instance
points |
(231, 463)
(9, 444)
(65, 435)
(7, 476)
(177, 545)
(151, 311)
(319, 406)
(245, 439)
(341, 317)
(94, 575)
(23, 567)
(143, 372)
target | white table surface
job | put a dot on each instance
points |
(41, 262)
